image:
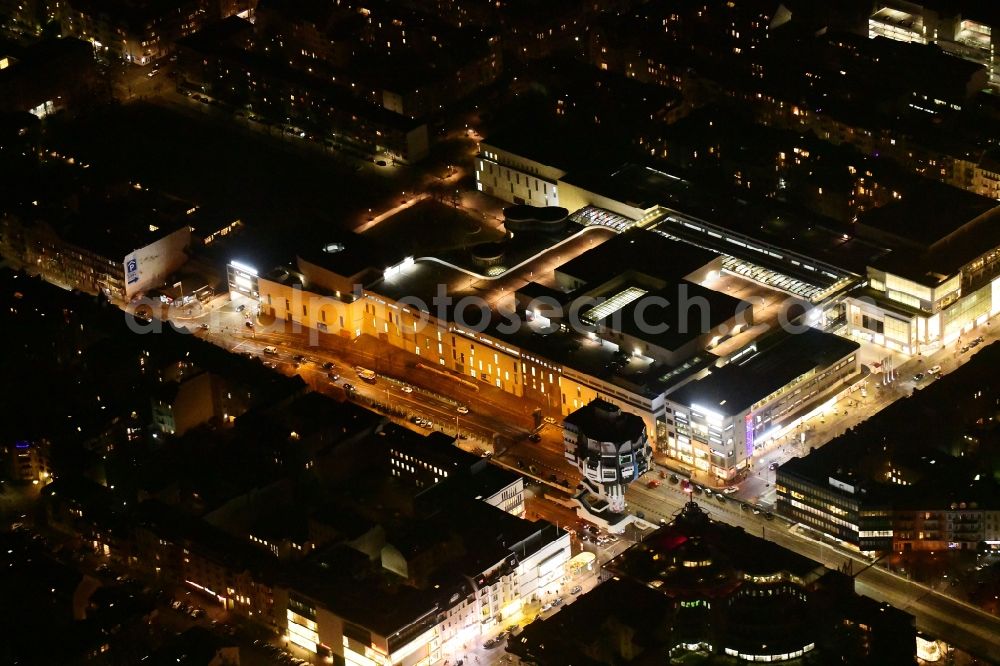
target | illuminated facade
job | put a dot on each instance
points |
(942, 281)
(716, 424)
(417, 627)
(121, 265)
(961, 35)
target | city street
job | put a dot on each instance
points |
(858, 406)
(937, 615)
(435, 397)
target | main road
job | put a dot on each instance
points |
(437, 398)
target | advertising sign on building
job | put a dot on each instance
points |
(131, 270)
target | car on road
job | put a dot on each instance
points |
(241, 307)
(721, 498)
(674, 478)
(270, 351)
(333, 376)
(654, 483)
(492, 643)
(576, 590)
(534, 437)
(462, 409)
(299, 358)
(686, 486)
(406, 388)
(756, 510)
(773, 466)
(380, 162)
(270, 364)
(919, 377)
(557, 601)
(547, 607)
(729, 490)
(934, 369)
(349, 387)
(549, 420)
(964, 349)
(640, 515)
(696, 489)
(153, 73)
(769, 516)
(328, 365)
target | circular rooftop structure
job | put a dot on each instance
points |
(488, 254)
(544, 219)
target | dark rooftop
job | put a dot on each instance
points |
(927, 215)
(602, 421)
(779, 359)
(351, 256)
(688, 311)
(638, 251)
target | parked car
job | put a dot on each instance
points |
(271, 351)
(576, 590)
(934, 369)
(655, 483)
(729, 490)
(549, 420)
(534, 437)
(918, 377)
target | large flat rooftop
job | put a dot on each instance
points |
(926, 216)
(780, 358)
(638, 251)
